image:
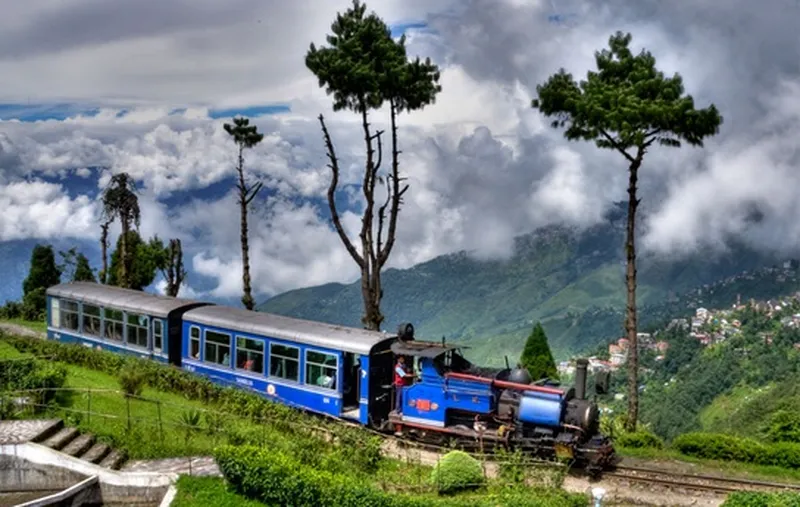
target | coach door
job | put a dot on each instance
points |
(351, 386)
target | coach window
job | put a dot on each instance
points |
(91, 320)
(218, 348)
(114, 324)
(69, 315)
(321, 369)
(194, 342)
(250, 355)
(137, 330)
(284, 362)
(158, 335)
(55, 315)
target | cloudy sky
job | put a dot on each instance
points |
(93, 87)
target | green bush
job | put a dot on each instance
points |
(132, 380)
(276, 478)
(784, 426)
(753, 499)
(30, 374)
(639, 440)
(730, 448)
(457, 471)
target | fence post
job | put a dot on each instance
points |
(160, 426)
(88, 405)
(128, 406)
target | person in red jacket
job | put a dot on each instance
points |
(400, 376)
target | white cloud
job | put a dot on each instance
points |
(35, 209)
(482, 165)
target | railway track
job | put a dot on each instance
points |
(696, 482)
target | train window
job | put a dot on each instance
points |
(55, 315)
(250, 355)
(114, 324)
(69, 315)
(321, 369)
(194, 342)
(158, 335)
(218, 348)
(137, 330)
(284, 362)
(91, 320)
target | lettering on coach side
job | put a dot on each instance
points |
(244, 381)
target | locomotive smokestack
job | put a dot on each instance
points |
(580, 378)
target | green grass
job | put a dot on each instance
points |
(9, 352)
(39, 326)
(208, 492)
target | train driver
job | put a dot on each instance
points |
(400, 376)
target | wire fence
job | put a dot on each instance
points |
(147, 428)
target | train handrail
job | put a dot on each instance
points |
(504, 383)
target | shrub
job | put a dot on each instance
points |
(456, 471)
(784, 426)
(276, 478)
(132, 380)
(31, 374)
(754, 499)
(639, 440)
(730, 448)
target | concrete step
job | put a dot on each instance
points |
(113, 460)
(79, 446)
(96, 453)
(61, 438)
(50, 429)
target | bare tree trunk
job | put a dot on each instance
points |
(174, 272)
(124, 255)
(630, 279)
(104, 248)
(247, 297)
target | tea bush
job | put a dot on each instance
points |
(727, 447)
(639, 440)
(276, 478)
(457, 471)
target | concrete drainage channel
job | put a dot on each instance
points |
(32, 474)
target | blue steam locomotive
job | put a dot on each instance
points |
(338, 371)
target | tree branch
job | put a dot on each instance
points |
(368, 243)
(337, 223)
(252, 191)
(616, 145)
(397, 192)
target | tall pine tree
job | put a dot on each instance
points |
(536, 356)
(44, 273)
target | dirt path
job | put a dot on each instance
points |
(20, 330)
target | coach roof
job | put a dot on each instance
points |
(122, 299)
(330, 336)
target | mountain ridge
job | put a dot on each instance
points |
(556, 275)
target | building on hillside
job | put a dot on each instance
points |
(701, 313)
(614, 349)
(662, 347)
(618, 359)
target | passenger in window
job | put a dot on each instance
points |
(248, 365)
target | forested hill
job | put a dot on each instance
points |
(573, 283)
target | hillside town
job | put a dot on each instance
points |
(708, 326)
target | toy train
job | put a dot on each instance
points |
(338, 371)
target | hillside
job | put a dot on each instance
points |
(738, 385)
(573, 282)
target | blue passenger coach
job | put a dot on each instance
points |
(119, 320)
(340, 371)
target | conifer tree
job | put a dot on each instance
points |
(626, 105)
(536, 356)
